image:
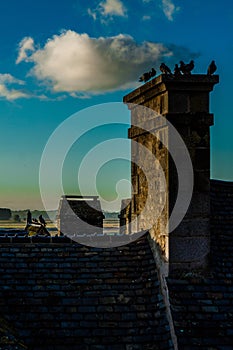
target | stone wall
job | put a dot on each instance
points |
(222, 227)
(184, 102)
(152, 191)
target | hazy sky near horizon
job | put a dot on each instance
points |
(59, 57)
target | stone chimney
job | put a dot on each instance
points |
(184, 102)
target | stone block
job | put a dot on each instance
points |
(192, 227)
(179, 102)
(199, 102)
(202, 180)
(202, 159)
(188, 249)
(199, 206)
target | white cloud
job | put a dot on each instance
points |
(112, 8)
(11, 93)
(169, 9)
(26, 45)
(9, 79)
(76, 63)
(107, 9)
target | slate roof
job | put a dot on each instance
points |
(202, 304)
(68, 296)
(9, 339)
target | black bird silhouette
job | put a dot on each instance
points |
(42, 220)
(177, 71)
(148, 75)
(144, 77)
(152, 73)
(186, 68)
(182, 67)
(212, 68)
(165, 69)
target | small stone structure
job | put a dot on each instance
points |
(80, 215)
(184, 102)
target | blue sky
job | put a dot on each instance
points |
(59, 57)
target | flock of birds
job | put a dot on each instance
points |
(182, 69)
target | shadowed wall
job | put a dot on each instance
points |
(184, 102)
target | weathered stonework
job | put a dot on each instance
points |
(184, 102)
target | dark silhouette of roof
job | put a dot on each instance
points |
(9, 339)
(202, 303)
(62, 296)
(70, 296)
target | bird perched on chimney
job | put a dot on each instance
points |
(186, 68)
(152, 73)
(212, 68)
(165, 69)
(146, 76)
(182, 67)
(177, 71)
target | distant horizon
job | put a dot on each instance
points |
(105, 210)
(43, 210)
